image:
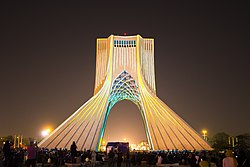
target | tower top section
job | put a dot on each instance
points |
(124, 36)
(118, 53)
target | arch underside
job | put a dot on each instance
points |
(164, 128)
(124, 87)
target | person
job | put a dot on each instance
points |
(229, 160)
(73, 151)
(31, 150)
(111, 156)
(203, 162)
(242, 158)
(192, 160)
(159, 160)
(133, 158)
(127, 158)
(119, 157)
(213, 162)
(8, 154)
(93, 158)
(60, 157)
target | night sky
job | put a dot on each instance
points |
(47, 65)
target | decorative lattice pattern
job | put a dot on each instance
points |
(124, 87)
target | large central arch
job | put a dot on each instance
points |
(124, 124)
(125, 70)
(124, 87)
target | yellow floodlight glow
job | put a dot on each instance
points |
(204, 131)
(204, 134)
(45, 133)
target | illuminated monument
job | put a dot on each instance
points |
(125, 70)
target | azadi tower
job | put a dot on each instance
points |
(125, 71)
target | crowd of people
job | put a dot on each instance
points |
(32, 156)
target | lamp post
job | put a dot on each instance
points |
(103, 145)
(204, 134)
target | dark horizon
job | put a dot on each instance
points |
(48, 49)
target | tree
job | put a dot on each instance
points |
(26, 141)
(10, 138)
(243, 141)
(220, 141)
(3, 139)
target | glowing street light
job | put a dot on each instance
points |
(103, 146)
(204, 132)
(45, 133)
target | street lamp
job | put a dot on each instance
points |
(204, 132)
(103, 146)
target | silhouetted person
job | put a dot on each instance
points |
(193, 161)
(119, 158)
(111, 156)
(133, 158)
(127, 158)
(8, 155)
(31, 155)
(242, 158)
(73, 151)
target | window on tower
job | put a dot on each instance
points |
(124, 43)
